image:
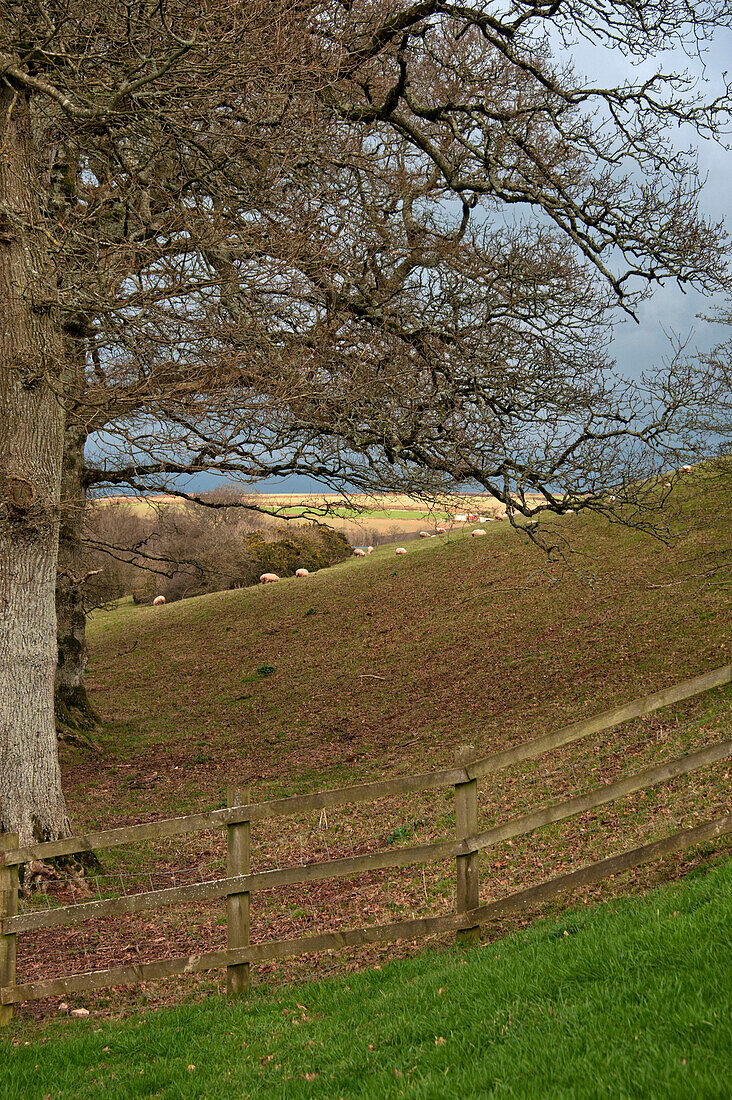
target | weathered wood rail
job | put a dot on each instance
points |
(240, 883)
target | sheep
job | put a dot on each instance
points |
(400, 550)
(687, 469)
(158, 601)
(358, 553)
(611, 499)
(268, 578)
(478, 532)
(302, 573)
(424, 534)
(440, 530)
(369, 549)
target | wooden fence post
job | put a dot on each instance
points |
(237, 905)
(466, 824)
(8, 908)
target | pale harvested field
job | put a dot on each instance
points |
(360, 517)
(382, 502)
(472, 502)
(143, 504)
(358, 529)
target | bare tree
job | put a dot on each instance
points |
(374, 241)
(109, 118)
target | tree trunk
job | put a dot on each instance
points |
(31, 446)
(74, 712)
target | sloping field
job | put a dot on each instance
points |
(388, 662)
(381, 666)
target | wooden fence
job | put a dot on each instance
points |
(240, 883)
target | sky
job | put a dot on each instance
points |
(639, 346)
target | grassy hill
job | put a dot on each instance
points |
(387, 663)
(381, 666)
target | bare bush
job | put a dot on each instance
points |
(180, 550)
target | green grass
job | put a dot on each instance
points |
(625, 999)
(365, 514)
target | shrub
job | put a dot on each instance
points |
(311, 547)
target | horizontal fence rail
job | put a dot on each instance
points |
(607, 720)
(375, 861)
(600, 796)
(463, 846)
(257, 811)
(367, 792)
(355, 937)
(260, 880)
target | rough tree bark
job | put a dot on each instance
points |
(74, 712)
(31, 444)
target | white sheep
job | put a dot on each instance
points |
(369, 549)
(357, 553)
(268, 578)
(158, 601)
(440, 530)
(687, 469)
(424, 534)
(478, 532)
(301, 573)
(400, 550)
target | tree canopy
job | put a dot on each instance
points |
(377, 241)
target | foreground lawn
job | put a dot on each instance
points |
(625, 999)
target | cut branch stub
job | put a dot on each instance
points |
(16, 492)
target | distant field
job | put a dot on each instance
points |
(386, 506)
(141, 505)
(358, 518)
(355, 513)
(382, 506)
